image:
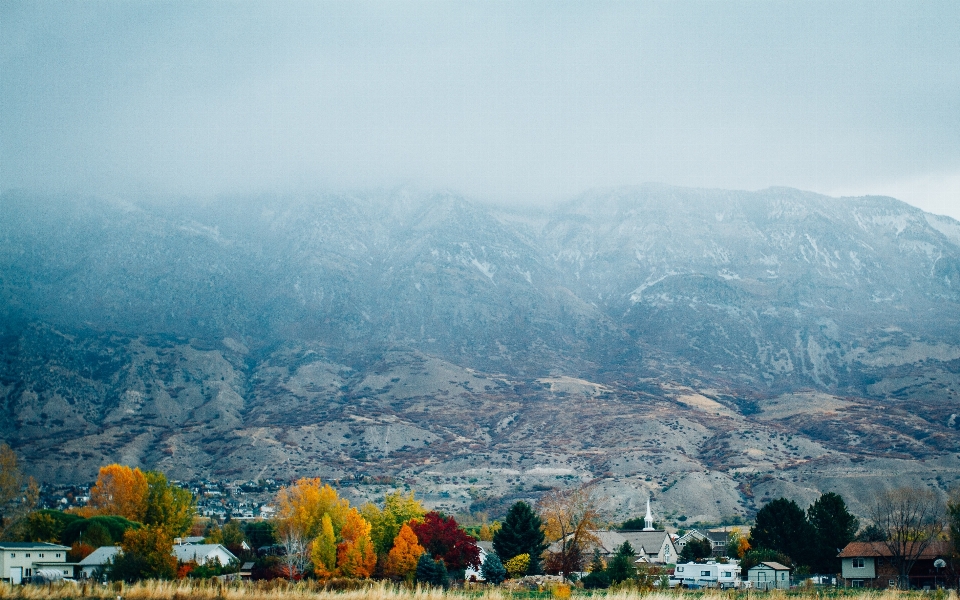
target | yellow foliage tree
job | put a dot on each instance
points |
(386, 522)
(324, 552)
(355, 554)
(518, 565)
(403, 557)
(120, 491)
(300, 511)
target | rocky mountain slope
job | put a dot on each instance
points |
(713, 348)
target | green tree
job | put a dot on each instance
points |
(871, 533)
(833, 528)
(696, 549)
(385, 523)
(621, 566)
(168, 506)
(782, 526)
(260, 534)
(492, 569)
(47, 525)
(521, 533)
(953, 519)
(147, 554)
(80, 530)
(430, 571)
(597, 578)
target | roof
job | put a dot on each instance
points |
(865, 549)
(188, 552)
(649, 541)
(770, 565)
(31, 546)
(718, 536)
(100, 556)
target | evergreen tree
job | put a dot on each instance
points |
(833, 528)
(782, 526)
(622, 566)
(492, 569)
(521, 533)
(431, 572)
(696, 549)
(597, 578)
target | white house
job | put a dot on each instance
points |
(768, 576)
(203, 554)
(19, 560)
(97, 560)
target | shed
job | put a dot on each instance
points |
(769, 576)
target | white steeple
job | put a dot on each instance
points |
(648, 519)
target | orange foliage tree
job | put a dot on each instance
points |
(356, 556)
(403, 557)
(121, 491)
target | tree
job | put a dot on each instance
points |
(442, 538)
(911, 520)
(597, 578)
(695, 550)
(98, 531)
(300, 510)
(168, 506)
(147, 553)
(119, 491)
(47, 525)
(430, 571)
(871, 533)
(833, 528)
(517, 566)
(737, 545)
(385, 523)
(953, 516)
(18, 494)
(404, 555)
(520, 533)
(570, 518)
(324, 553)
(260, 534)
(621, 566)
(355, 554)
(492, 569)
(781, 525)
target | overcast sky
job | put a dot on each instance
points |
(503, 101)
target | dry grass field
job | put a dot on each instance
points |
(281, 590)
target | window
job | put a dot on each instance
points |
(27, 555)
(857, 583)
(58, 555)
(28, 572)
(40, 555)
(13, 555)
(858, 563)
(679, 569)
(892, 583)
(728, 573)
(704, 573)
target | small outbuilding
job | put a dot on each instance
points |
(769, 576)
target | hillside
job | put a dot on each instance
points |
(714, 348)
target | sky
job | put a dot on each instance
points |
(508, 102)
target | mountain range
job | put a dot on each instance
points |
(712, 349)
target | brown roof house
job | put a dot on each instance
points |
(873, 565)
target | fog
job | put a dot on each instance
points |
(509, 102)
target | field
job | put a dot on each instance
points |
(207, 590)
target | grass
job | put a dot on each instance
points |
(281, 590)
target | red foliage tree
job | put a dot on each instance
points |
(442, 538)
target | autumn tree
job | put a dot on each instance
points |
(518, 565)
(147, 553)
(386, 523)
(300, 510)
(833, 528)
(324, 553)
(570, 517)
(355, 554)
(520, 533)
(18, 493)
(442, 538)
(120, 491)
(911, 519)
(737, 544)
(403, 556)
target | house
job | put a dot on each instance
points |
(769, 576)
(95, 563)
(718, 540)
(871, 565)
(471, 574)
(19, 560)
(203, 554)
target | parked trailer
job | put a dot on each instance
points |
(709, 575)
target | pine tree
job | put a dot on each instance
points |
(521, 533)
(431, 572)
(621, 566)
(403, 557)
(597, 578)
(492, 569)
(781, 525)
(833, 528)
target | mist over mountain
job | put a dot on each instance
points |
(711, 347)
